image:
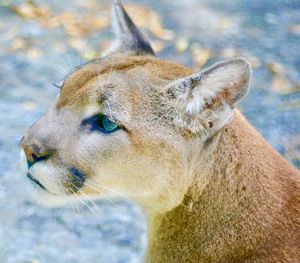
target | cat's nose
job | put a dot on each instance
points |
(34, 151)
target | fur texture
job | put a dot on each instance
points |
(212, 188)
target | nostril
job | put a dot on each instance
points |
(39, 158)
(35, 158)
(35, 153)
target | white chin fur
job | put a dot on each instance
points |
(49, 176)
(43, 172)
(47, 199)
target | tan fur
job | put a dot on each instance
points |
(75, 85)
(211, 193)
(249, 211)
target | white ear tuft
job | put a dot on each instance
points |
(227, 80)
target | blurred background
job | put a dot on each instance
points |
(41, 41)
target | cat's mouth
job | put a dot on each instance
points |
(35, 181)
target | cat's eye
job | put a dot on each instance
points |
(102, 123)
(105, 124)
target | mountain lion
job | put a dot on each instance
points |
(129, 124)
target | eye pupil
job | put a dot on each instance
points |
(109, 125)
(106, 124)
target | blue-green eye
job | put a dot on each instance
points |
(106, 125)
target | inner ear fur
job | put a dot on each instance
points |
(226, 81)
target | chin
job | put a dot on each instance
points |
(47, 199)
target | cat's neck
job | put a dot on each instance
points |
(234, 217)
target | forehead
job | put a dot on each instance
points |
(118, 68)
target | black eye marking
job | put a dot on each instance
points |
(102, 123)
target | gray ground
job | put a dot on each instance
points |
(34, 52)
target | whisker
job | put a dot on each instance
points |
(93, 203)
(64, 190)
(171, 193)
(110, 189)
(119, 193)
(119, 103)
(60, 69)
(110, 201)
(109, 108)
(110, 73)
(69, 58)
(74, 208)
(84, 203)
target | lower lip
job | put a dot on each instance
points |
(35, 181)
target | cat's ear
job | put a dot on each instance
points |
(128, 37)
(215, 91)
(227, 81)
